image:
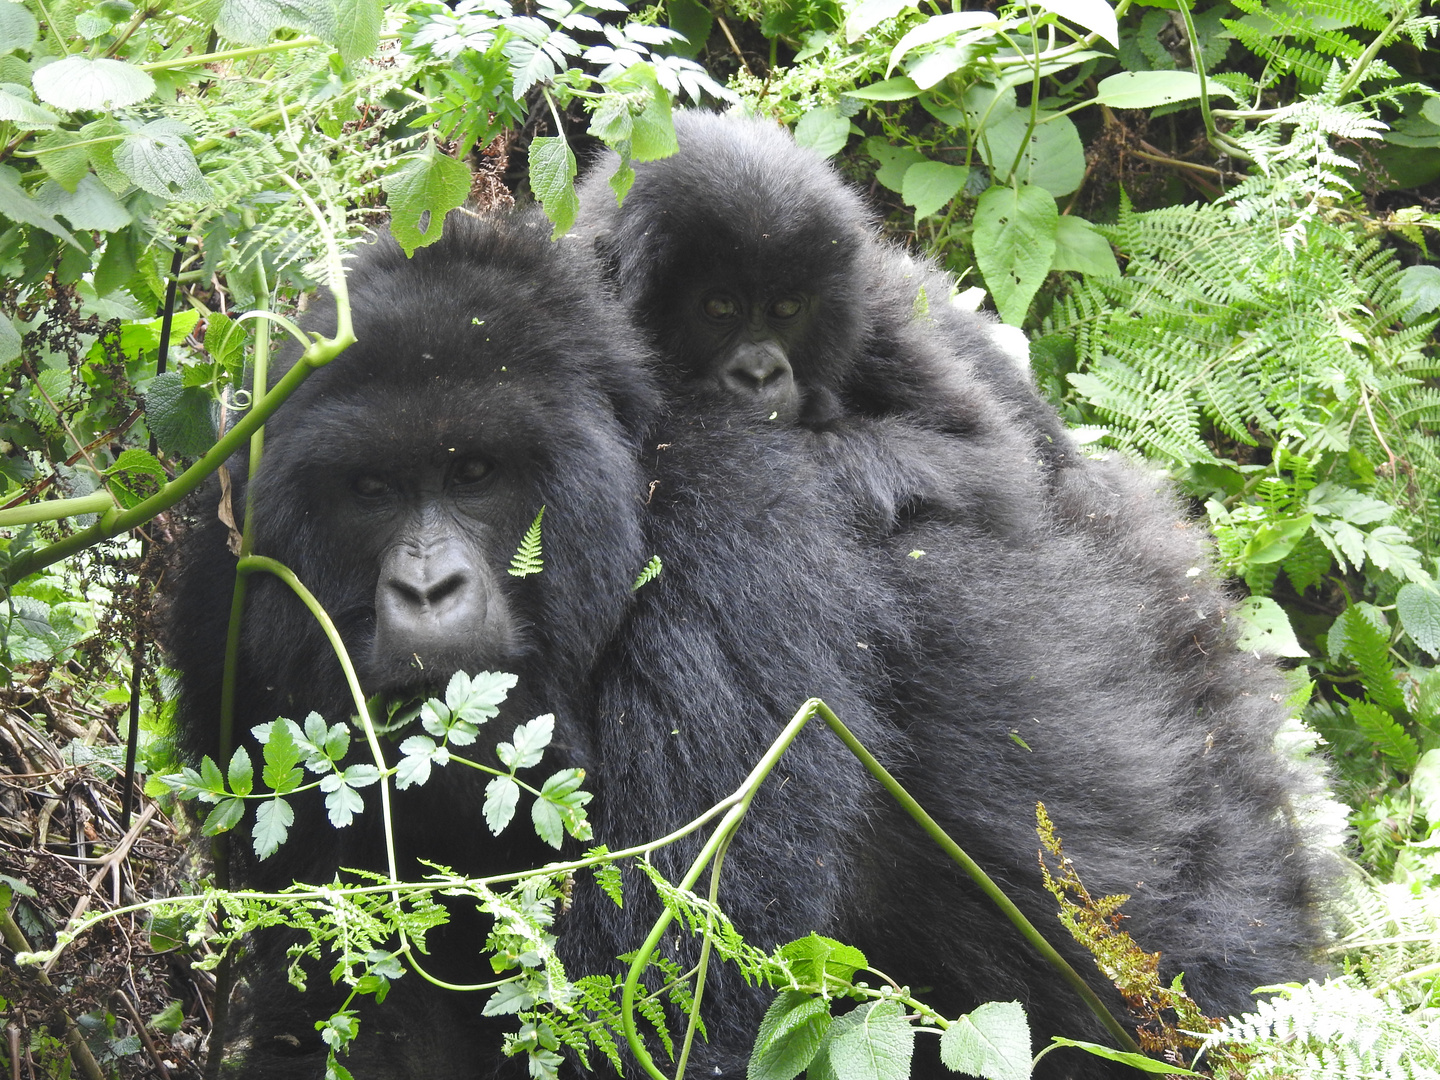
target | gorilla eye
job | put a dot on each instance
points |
(720, 307)
(786, 308)
(369, 486)
(470, 470)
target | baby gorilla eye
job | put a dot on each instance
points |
(720, 307)
(786, 307)
(470, 470)
(369, 486)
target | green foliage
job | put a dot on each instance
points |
(527, 558)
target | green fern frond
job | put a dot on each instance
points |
(527, 559)
(648, 574)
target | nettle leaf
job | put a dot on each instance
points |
(63, 161)
(18, 28)
(873, 1041)
(993, 1041)
(157, 158)
(1015, 245)
(10, 342)
(816, 959)
(225, 340)
(179, 416)
(422, 188)
(357, 33)
(552, 178)
(1265, 628)
(272, 826)
(130, 463)
(1080, 249)
(21, 111)
(823, 130)
(80, 84)
(1418, 607)
(1053, 158)
(790, 1035)
(90, 207)
(251, 22)
(502, 795)
(1419, 288)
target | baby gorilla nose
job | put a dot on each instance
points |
(759, 372)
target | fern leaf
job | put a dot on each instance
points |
(648, 574)
(527, 559)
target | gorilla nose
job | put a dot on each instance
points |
(427, 592)
(758, 373)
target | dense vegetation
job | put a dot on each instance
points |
(1212, 225)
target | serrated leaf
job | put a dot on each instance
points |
(1053, 158)
(823, 130)
(412, 770)
(63, 161)
(90, 206)
(224, 817)
(1265, 628)
(241, 772)
(24, 113)
(1274, 540)
(530, 740)
(1419, 288)
(790, 1035)
(422, 188)
(358, 28)
(930, 185)
(552, 178)
(608, 877)
(502, 795)
(815, 959)
(868, 14)
(179, 416)
(272, 825)
(1418, 608)
(652, 133)
(225, 339)
(1147, 89)
(1014, 245)
(251, 22)
(549, 825)
(80, 84)
(10, 342)
(873, 1041)
(993, 1042)
(281, 758)
(342, 804)
(479, 697)
(211, 778)
(158, 159)
(509, 998)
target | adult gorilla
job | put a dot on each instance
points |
(1065, 642)
(488, 382)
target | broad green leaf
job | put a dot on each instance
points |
(652, 136)
(1418, 607)
(357, 32)
(251, 22)
(241, 772)
(1265, 628)
(873, 1041)
(993, 1042)
(1425, 784)
(9, 340)
(90, 206)
(272, 825)
(1081, 250)
(342, 802)
(282, 755)
(899, 88)
(816, 959)
(158, 159)
(895, 161)
(226, 815)
(869, 14)
(939, 64)
(1419, 287)
(1137, 1061)
(527, 745)
(63, 162)
(478, 698)
(823, 130)
(225, 342)
(17, 205)
(80, 84)
(422, 188)
(930, 185)
(549, 825)
(18, 28)
(1275, 539)
(1147, 89)
(21, 111)
(1015, 245)
(937, 28)
(692, 19)
(552, 178)
(1096, 16)
(502, 795)
(180, 417)
(1054, 158)
(789, 1036)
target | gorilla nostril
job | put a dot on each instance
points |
(442, 590)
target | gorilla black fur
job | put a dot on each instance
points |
(488, 381)
(1066, 641)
